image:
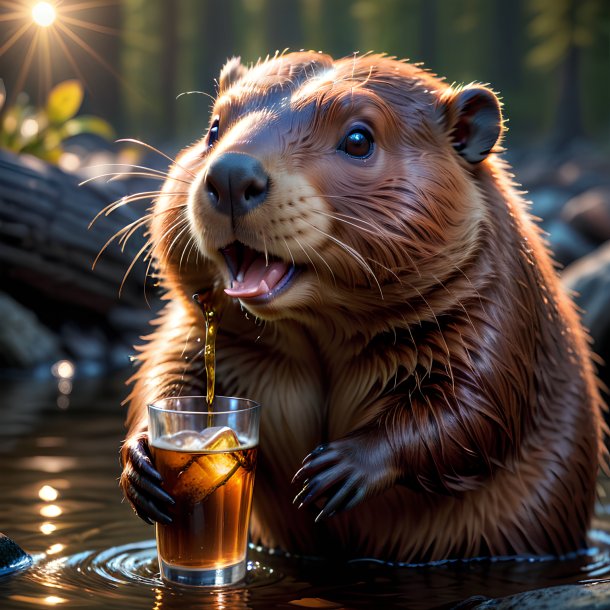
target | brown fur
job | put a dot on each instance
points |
(430, 325)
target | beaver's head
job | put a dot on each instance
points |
(321, 182)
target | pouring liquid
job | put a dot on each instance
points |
(211, 317)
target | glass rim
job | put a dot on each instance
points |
(253, 405)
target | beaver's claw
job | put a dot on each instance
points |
(140, 482)
(344, 473)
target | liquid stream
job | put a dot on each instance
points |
(211, 317)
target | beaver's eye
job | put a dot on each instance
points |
(213, 133)
(358, 143)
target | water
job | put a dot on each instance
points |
(61, 502)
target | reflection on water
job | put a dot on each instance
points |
(61, 503)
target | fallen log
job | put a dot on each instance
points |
(45, 242)
(47, 253)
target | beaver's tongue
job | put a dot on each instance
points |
(255, 277)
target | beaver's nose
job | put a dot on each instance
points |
(236, 183)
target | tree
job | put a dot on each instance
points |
(561, 29)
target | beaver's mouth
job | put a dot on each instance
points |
(256, 276)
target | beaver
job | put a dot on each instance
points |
(427, 388)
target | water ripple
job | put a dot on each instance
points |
(121, 574)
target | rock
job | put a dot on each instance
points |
(589, 278)
(12, 556)
(594, 595)
(24, 341)
(589, 213)
(566, 243)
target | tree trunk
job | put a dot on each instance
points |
(506, 43)
(568, 114)
(169, 67)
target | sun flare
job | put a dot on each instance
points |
(44, 14)
(49, 32)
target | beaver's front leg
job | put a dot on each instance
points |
(141, 482)
(440, 438)
(346, 472)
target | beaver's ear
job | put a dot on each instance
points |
(473, 119)
(231, 73)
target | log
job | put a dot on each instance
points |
(45, 243)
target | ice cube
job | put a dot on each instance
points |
(218, 438)
(209, 471)
(186, 440)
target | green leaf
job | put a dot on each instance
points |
(88, 124)
(64, 101)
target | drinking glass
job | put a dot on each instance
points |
(207, 458)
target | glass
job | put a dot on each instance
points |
(207, 458)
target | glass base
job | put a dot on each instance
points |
(198, 577)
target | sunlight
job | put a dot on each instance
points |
(47, 528)
(56, 548)
(53, 31)
(63, 369)
(44, 14)
(51, 510)
(53, 600)
(48, 493)
(49, 600)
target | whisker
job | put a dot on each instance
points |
(133, 262)
(289, 251)
(377, 233)
(127, 228)
(150, 261)
(343, 220)
(161, 173)
(199, 92)
(332, 273)
(118, 234)
(127, 199)
(173, 227)
(307, 255)
(174, 241)
(145, 171)
(115, 176)
(141, 221)
(188, 336)
(355, 254)
(192, 247)
(188, 243)
(150, 147)
(136, 225)
(265, 249)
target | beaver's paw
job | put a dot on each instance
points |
(341, 474)
(140, 482)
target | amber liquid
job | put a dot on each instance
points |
(211, 328)
(211, 315)
(213, 494)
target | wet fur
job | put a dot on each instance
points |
(438, 343)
